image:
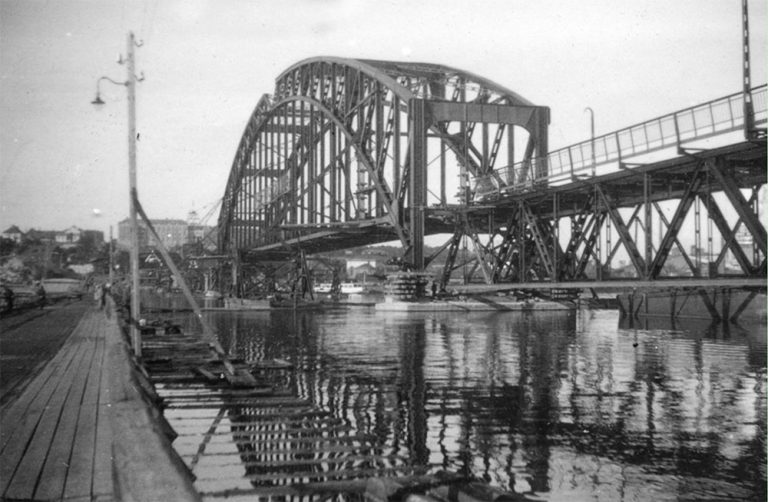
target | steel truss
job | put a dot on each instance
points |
(344, 151)
(352, 152)
(578, 231)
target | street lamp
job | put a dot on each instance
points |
(592, 135)
(97, 100)
(130, 85)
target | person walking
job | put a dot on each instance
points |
(8, 297)
(40, 292)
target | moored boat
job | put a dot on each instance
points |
(246, 303)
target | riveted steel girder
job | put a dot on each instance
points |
(354, 143)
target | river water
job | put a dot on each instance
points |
(560, 406)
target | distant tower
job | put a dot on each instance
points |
(193, 218)
(195, 231)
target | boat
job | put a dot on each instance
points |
(247, 303)
(347, 288)
(294, 303)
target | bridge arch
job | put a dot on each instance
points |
(337, 158)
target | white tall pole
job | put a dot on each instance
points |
(591, 135)
(130, 83)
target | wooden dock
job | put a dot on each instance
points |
(81, 429)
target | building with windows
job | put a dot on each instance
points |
(69, 237)
(173, 233)
(13, 233)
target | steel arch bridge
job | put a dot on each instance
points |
(353, 152)
(344, 151)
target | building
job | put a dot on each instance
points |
(44, 236)
(69, 237)
(13, 233)
(124, 235)
(173, 233)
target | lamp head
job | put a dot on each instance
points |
(97, 100)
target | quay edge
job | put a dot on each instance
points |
(145, 465)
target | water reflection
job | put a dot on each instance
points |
(564, 405)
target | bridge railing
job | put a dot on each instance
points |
(608, 152)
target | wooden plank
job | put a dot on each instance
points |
(206, 374)
(180, 428)
(356, 486)
(102, 484)
(241, 378)
(180, 415)
(57, 462)
(259, 392)
(38, 390)
(80, 474)
(357, 438)
(223, 393)
(26, 424)
(326, 462)
(237, 458)
(24, 480)
(267, 402)
(314, 475)
(310, 430)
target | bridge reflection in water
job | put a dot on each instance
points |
(565, 405)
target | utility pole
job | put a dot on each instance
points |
(130, 83)
(111, 259)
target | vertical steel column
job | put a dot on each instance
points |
(598, 239)
(555, 238)
(542, 139)
(377, 210)
(251, 194)
(333, 165)
(311, 144)
(443, 197)
(417, 190)
(396, 150)
(648, 223)
(510, 155)
(697, 234)
(484, 137)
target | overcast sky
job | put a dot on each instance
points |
(206, 63)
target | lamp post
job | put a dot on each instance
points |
(130, 84)
(111, 260)
(591, 135)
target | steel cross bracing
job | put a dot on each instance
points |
(350, 152)
(560, 234)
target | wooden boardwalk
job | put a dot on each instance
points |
(71, 432)
(56, 437)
